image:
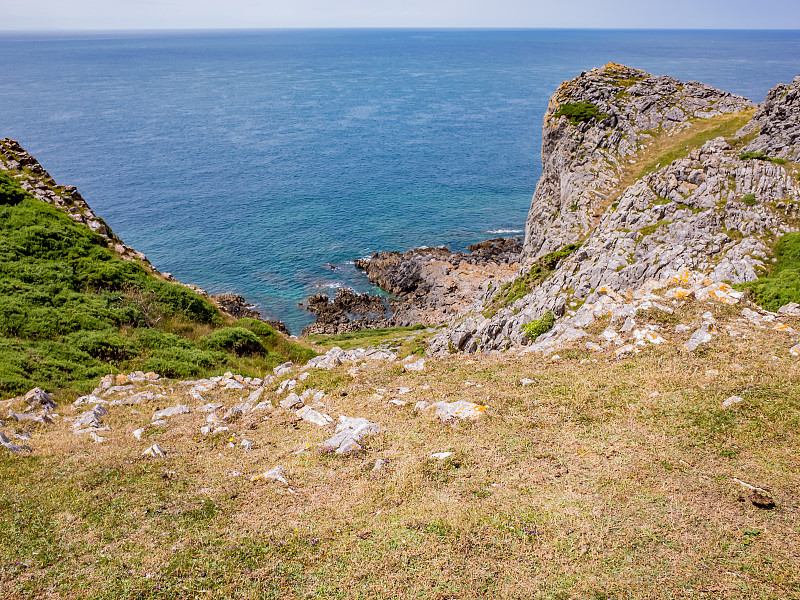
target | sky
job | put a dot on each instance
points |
(257, 14)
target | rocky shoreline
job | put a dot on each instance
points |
(425, 286)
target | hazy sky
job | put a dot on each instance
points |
(254, 14)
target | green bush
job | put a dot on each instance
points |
(106, 345)
(539, 326)
(10, 191)
(240, 341)
(782, 284)
(580, 112)
(761, 156)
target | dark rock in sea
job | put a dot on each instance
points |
(430, 285)
(236, 306)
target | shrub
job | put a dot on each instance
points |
(782, 284)
(240, 341)
(759, 155)
(749, 199)
(539, 326)
(580, 112)
(106, 345)
(10, 191)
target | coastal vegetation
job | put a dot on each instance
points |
(539, 326)
(521, 286)
(579, 112)
(781, 284)
(71, 311)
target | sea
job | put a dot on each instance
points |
(264, 162)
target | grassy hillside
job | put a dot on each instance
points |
(604, 478)
(71, 311)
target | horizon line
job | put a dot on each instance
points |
(378, 28)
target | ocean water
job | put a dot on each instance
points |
(254, 162)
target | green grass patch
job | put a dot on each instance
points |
(540, 326)
(761, 156)
(579, 112)
(749, 199)
(388, 337)
(781, 285)
(71, 310)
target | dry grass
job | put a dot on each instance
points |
(608, 479)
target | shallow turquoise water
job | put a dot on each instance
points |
(251, 161)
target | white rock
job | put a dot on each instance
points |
(303, 376)
(247, 445)
(275, 474)
(137, 433)
(348, 433)
(795, 350)
(731, 401)
(380, 464)
(440, 455)
(525, 382)
(195, 395)
(415, 366)
(403, 390)
(97, 439)
(154, 450)
(790, 310)
(172, 411)
(458, 410)
(312, 416)
(700, 336)
(283, 369)
(291, 401)
(287, 385)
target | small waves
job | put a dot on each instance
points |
(505, 231)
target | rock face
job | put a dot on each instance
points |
(431, 285)
(777, 122)
(710, 211)
(582, 162)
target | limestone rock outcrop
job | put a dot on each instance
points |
(710, 211)
(777, 122)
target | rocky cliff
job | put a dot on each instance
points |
(651, 177)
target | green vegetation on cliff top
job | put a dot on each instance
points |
(782, 284)
(71, 311)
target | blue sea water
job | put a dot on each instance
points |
(254, 161)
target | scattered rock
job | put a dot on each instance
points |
(700, 336)
(312, 416)
(10, 446)
(89, 419)
(458, 410)
(283, 369)
(418, 365)
(440, 455)
(172, 411)
(291, 401)
(38, 397)
(731, 401)
(154, 451)
(275, 474)
(349, 432)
